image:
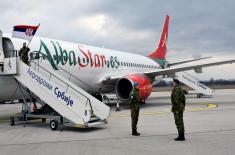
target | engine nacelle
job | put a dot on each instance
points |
(125, 85)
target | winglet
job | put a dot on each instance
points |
(160, 52)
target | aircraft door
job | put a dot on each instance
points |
(1, 50)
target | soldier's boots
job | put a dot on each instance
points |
(135, 133)
(180, 137)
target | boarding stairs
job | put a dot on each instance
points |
(66, 98)
(194, 83)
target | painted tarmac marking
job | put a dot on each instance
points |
(208, 106)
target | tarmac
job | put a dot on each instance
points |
(209, 124)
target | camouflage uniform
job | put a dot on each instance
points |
(178, 106)
(24, 54)
(135, 108)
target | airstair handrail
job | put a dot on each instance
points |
(191, 76)
(71, 75)
(67, 85)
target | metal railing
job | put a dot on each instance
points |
(90, 88)
(67, 85)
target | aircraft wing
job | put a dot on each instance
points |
(191, 65)
(186, 61)
(196, 64)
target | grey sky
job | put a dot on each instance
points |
(197, 28)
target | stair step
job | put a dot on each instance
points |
(94, 119)
(94, 124)
(194, 83)
(62, 95)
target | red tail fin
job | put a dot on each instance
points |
(160, 52)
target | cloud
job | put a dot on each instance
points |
(196, 27)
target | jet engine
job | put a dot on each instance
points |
(125, 85)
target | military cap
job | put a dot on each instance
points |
(176, 81)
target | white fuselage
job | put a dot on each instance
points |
(89, 64)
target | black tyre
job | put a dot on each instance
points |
(142, 102)
(12, 121)
(54, 124)
(43, 120)
(199, 95)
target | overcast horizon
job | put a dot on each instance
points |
(197, 28)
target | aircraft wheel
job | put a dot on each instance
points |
(199, 95)
(54, 124)
(142, 102)
(12, 121)
(43, 120)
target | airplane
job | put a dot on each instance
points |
(99, 70)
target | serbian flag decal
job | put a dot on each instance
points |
(24, 31)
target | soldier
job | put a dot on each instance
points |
(178, 106)
(24, 54)
(135, 107)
